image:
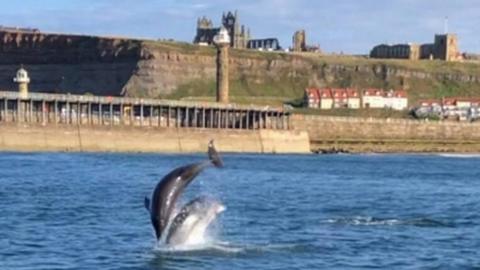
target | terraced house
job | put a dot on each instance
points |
(334, 98)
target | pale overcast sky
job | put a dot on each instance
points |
(350, 26)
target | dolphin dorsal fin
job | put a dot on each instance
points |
(147, 203)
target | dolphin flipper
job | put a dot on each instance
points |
(147, 203)
(214, 156)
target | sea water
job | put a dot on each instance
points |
(85, 211)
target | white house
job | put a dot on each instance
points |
(340, 99)
(396, 100)
(326, 99)
(311, 99)
(373, 98)
(353, 98)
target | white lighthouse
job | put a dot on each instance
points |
(23, 80)
(222, 41)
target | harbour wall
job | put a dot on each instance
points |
(78, 138)
(52, 122)
(388, 135)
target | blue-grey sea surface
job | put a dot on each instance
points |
(86, 211)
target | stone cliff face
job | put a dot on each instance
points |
(160, 72)
(68, 63)
(116, 66)
(39, 48)
(168, 70)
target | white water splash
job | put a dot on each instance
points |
(372, 221)
(218, 247)
(459, 155)
(205, 247)
(366, 221)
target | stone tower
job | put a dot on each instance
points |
(222, 42)
(204, 23)
(22, 80)
(205, 31)
(239, 36)
(299, 41)
(446, 47)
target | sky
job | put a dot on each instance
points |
(338, 26)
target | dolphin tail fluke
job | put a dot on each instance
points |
(214, 156)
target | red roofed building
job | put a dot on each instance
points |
(353, 98)
(449, 103)
(326, 99)
(373, 98)
(396, 100)
(340, 98)
(475, 103)
(311, 98)
(430, 103)
(463, 102)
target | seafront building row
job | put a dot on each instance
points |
(332, 98)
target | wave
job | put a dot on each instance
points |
(459, 155)
(373, 221)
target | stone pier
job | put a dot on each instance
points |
(49, 122)
(116, 111)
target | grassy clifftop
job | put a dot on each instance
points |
(274, 78)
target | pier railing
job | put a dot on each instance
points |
(123, 111)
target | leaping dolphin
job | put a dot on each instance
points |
(171, 186)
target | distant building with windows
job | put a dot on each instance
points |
(329, 98)
(340, 98)
(373, 98)
(445, 47)
(396, 100)
(240, 37)
(399, 51)
(239, 34)
(311, 98)
(326, 98)
(454, 108)
(334, 98)
(267, 44)
(19, 29)
(380, 99)
(205, 31)
(353, 98)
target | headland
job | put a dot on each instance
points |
(122, 67)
